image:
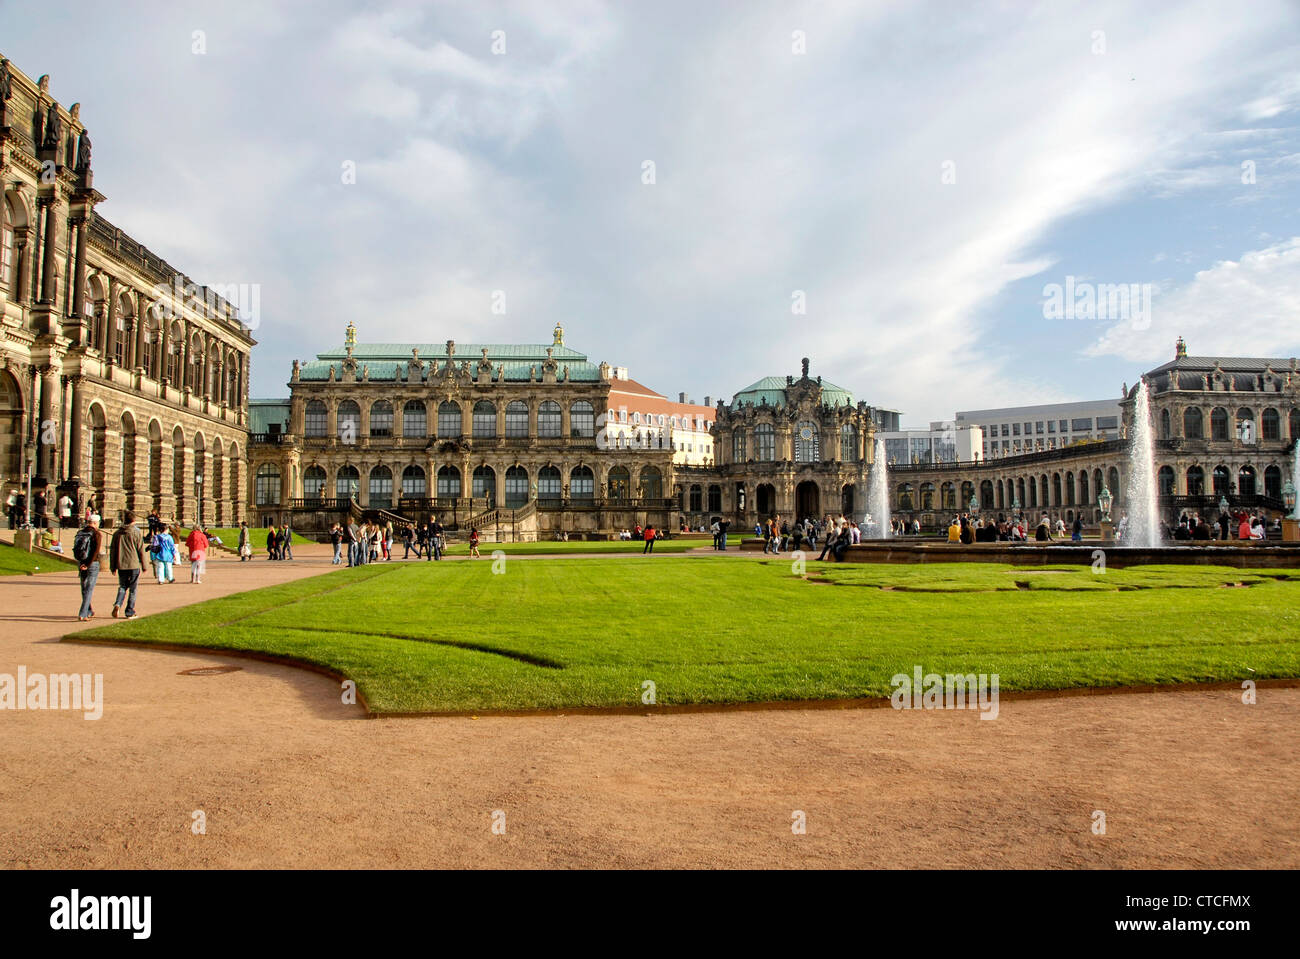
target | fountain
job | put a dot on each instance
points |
(1141, 492)
(878, 492)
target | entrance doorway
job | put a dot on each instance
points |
(807, 500)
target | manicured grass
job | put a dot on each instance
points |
(571, 632)
(551, 548)
(15, 562)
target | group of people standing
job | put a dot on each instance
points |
(371, 542)
(779, 536)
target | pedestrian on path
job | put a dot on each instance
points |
(197, 544)
(87, 547)
(126, 558)
(165, 554)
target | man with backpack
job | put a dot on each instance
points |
(87, 546)
(126, 558)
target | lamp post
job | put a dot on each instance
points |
(198, 492)
(1223, 504)
(974, 504)
(1291, 523)
(1104, 499)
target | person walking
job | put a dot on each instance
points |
(164, 554)
(67, 515)
(649, 539)
(435, 539)
(197, 544)
(286, 542)
(246, 543)
(473, 542)
(336, 540)
(1076, 530)
(126, 558)
(87, 547)
(271, 538)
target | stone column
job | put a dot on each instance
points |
(79, 273)
(205, 388)
(141, 322)
(203, 506)
(332, 420)
(108, 329)
(76, 458)
(48, 427)
(185, 377)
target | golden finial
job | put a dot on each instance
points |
(559, 336)
(350, 337)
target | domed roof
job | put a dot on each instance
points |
(773, 391)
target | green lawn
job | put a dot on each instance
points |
(14, 562)
(573, 632)
(550, 548)
(230, 537)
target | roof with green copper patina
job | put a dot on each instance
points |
(390, 370)
(262, 413)
(497, 352)
(388, 361)
(771, 390)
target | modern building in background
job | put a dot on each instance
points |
(941, 443)
(122, 382)
(1013, 430)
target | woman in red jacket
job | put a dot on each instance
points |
(197, 544)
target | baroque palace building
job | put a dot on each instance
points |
(513, 439)
(121, 381)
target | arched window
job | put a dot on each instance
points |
(548, 483)
(381, 423)
(927, 496)
(381, 487)
(485, 421)
(1164, 424)
(620, 483)
(118, 345)
(232, 380)
(905, 497)
(448, 480)
(1246, 432)
(266, 485)
(449, 422)
(582, 420)
(1069, 489)
(347, 482)
(315, 419)
(517, 420)
(1293, 425)
(651, 483)
(1273, 482)
(8, 270)
(1084, 498)
(807, 443)
(582, 484)
(948, 496)
(695, 498)
(175, 346)
(313, 482)
(1270, 425)
(715, 499)
(1246, 481)
(1112, 480)
(738, 446)
(1218, 423)
(1195, 481)
(516, 481)
(849, 443)
(1056, 489)
(986, 494)
(349, 422)
(764, 442)
(150, 359)
(548, 419)
(415, 421)
(414, 484)
(1166, 480)
(484, 484)
(128, 452)
(1193, 423)
(196, 364)
(1221, 480)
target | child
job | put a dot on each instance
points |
(473, 542)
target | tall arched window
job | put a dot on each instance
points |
(349, 422)
(484, 484)
(381, 487)
(582, 484)
(449, 482)
(738, 446)
(150, 359)
(1166, 480)
(582, 420)
(1246, 429)
(381, 419)
(1193, 423)
(449, 420)
(1218, 423)
(1221, 480)
(1293, 425)
(1270, 425)
(485, 420)
(548, 419)
(266, 485)
(516, 484)
(764, 442)
(1164, 424)
(175, 347)
(849, 443)
(517, 420)
(619, 483)
(315, 419)
(548, 483)
(652, 484)
(1273, 482)
(347, 482)
(1246, 481)
(415, 420)
(313, 482)
(414, 485)
(128, 452)
(8, 270)
(905, 496)
(807, 443)
(1195, 481)
(195, 382)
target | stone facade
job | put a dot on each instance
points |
(414, 430)
(120, 380)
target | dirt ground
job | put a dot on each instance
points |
(287, 776)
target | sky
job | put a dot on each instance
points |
(906, 193)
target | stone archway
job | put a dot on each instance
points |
(807, 500)
(11, 427)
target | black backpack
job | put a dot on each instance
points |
(83, 546)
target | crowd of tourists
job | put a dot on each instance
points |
(356, 544)
(1229, 525)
